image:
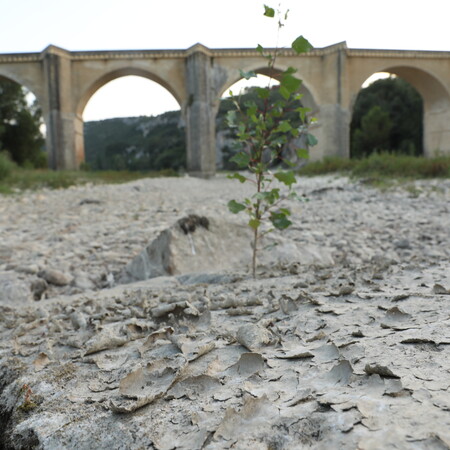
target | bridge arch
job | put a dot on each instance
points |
(29, 148)
(95, 85)
(430, 87)
(308, 99)
(436, 102)
(29, 85)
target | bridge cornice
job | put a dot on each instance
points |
(19, 57)
(380, 53)
(218, 53)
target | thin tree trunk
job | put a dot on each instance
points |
(255, 249)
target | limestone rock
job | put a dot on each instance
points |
(38, 287)
(13, 289)
(55, 277)
(190, 247)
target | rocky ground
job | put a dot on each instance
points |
(343, 340)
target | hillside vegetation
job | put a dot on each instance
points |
(156, 143)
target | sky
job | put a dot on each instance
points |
(32, 25)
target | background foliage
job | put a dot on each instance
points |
(387, 117)
(20, 135)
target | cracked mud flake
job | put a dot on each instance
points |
(441, 400)
(397, 319)
(193, 346)
(440, 290)
(374, 411)
(250, 421)
(109, 337)
(178, 309)
(326, 353)
(339, 375)
(248, 364)
(390, 437)
(379, 369)
(148, 383)
(293, 351)
(345, 420)
(254, 337)
(194, 387)
(188, 440)
(104, 382)
(161, 334)
(110, 361)
(41, 361)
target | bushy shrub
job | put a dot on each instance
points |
(6, 165)
(382, 165)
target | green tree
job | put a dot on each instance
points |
(20, 135)
(404, 108)
(263, 129)
(374, 134)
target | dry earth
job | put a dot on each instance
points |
(343, 341)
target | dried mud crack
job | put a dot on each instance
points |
(342, 342)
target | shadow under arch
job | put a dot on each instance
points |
(119, 73)
(37, 96)
(36, 90)
(436, 104)
(431, 89)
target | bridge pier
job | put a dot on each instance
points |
(64, 150)
(332, 132)
(436, 134)
(200, 115)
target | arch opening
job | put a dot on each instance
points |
(245, 90)
(22, 125)
(387, 116)
(133, 123)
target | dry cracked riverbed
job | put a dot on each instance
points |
(343, 341)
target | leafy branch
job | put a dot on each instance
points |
(263, 129)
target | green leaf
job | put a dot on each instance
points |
(289, 163)
(284, 92)
(269, 12)
(263, 93)
(260, 49)
(285, 211)
(269, 197)
(302, 112)
(254, 223)
(247, 75)
(251, 109)
(290, 70)
(237, 176)
(288, 178)
(242, 159)
(235, 207)
(301, 45)
(279, 220)
(311, 139)
(302, 153)
(290, 83)
(284, 126)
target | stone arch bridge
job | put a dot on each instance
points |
(64, 81)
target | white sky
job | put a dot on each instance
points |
(31, 25)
